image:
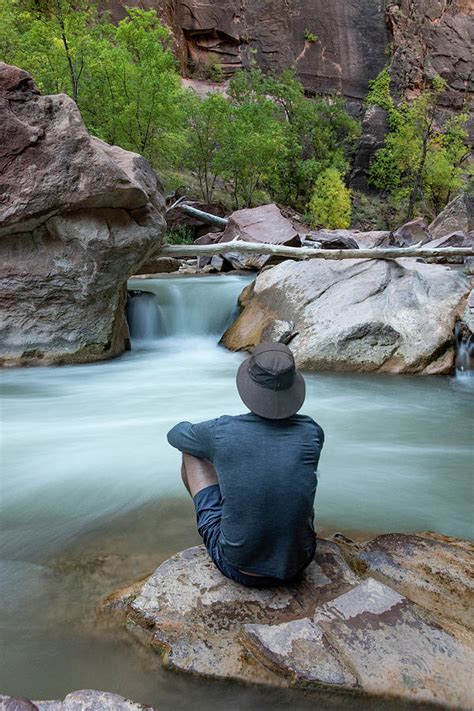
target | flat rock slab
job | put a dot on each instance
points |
(371, 639)
(394, 648)
(334, 629)
(192, 614)
(433, 573)
(300, 651)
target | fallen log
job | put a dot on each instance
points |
(440, 254)
(205, 217)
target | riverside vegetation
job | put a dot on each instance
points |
(263, 140)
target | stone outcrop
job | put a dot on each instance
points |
(387, 618)
(77, 217)
(374, 130)
(259, 224)
(85, 700)
(457, 216)
(432, 37)
(394, 316)
(332, 239)
(414, 232)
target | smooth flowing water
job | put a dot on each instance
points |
(91, 495)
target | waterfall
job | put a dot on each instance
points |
(143, 316)
(160, 308)
(465, 351)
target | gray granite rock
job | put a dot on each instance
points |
(414, 232)
(84, 700)
(393, 316)
(457, 216)
(259, 224)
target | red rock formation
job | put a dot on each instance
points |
(335, 46)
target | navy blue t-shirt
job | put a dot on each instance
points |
(266, 471)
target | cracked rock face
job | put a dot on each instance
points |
(394, 316)
(433, 37)
(77, 217)
(336, 629)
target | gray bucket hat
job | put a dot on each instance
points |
(269, 383)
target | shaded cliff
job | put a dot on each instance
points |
(336, 46)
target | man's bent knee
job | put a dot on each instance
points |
(197, 473)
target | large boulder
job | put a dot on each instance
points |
(414, 232)
(457, 216)
(394, 316)
(258, 224)
(77, 217)
(337, 629)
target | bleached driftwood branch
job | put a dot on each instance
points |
(439, 254)
(205, 217)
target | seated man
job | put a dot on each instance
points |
(253, 477)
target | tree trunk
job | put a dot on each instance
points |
(441, 254)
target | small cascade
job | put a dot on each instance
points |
(143, 316)
(465, 351)
(183, 307)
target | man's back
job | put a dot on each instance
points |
(267, 476)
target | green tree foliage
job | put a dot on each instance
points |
(379, 91)
(123, 77)
(330, 204)
(319, 134)
(420, 163)
(266, 139)
(208, 120)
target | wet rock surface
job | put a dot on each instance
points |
(394, 316)
(73, 230)
(432, 572)
(364, 618)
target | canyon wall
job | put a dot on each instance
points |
(337, 46)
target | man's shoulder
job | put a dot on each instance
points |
(234, 419)
(305, 420)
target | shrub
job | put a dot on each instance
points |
(330, 205)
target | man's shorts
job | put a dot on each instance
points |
(208, 505)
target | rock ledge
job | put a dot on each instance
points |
(388, 618)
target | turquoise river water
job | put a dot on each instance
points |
(91, 497)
